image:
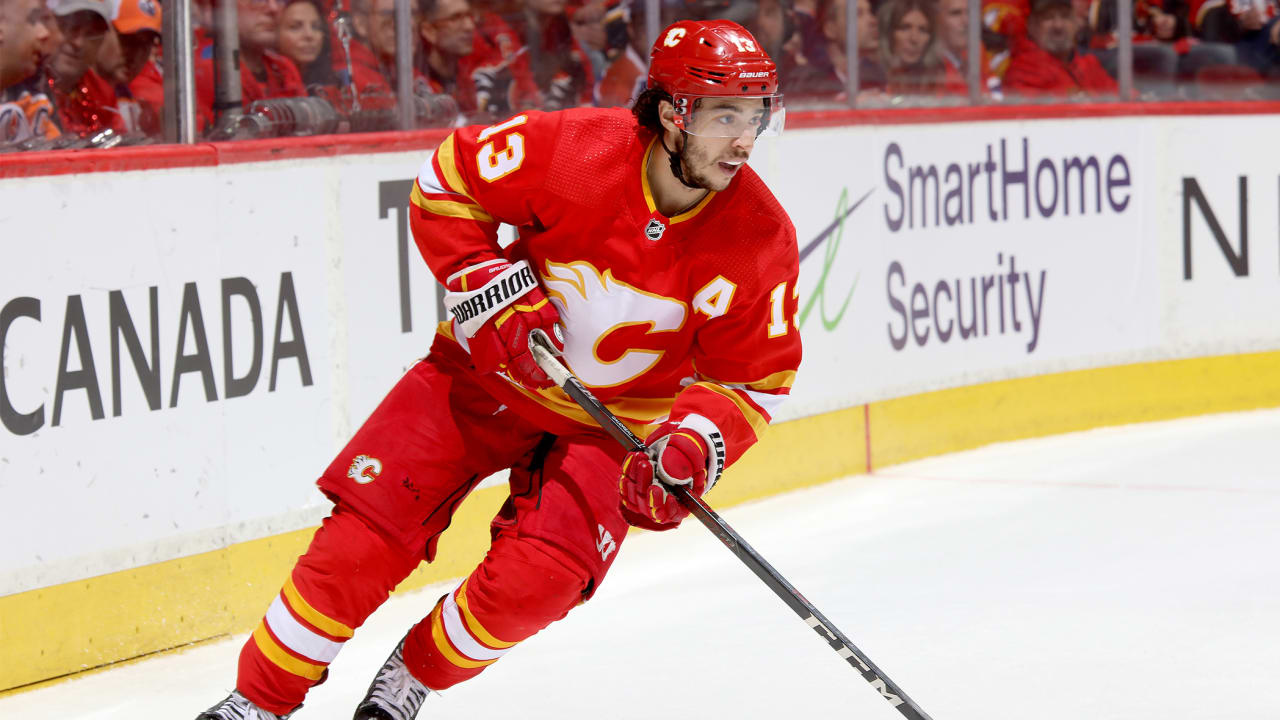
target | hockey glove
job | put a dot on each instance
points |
(496, 304)
(676, 456)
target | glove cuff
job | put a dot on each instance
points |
(710, 434)
(470, 309)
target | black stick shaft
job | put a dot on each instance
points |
(732, 540)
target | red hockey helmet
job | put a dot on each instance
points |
(695, 60)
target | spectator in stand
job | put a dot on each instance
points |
(560, 69)
(22, 36)
(375, 22)
(450, 47)
(303, 38)
(264, 73)
(953, 49)
(1046, 62)
(1251, 26)
(1162, 45)
(126, 51)
(379, 30)
(626, 50)
(86, 103)
(460, 61)
(908, 48)
(586, 20)
(871, 77)
(24, 114)
(139, 23)
(804, 69)
(109, 63)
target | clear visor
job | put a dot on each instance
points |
(718, 116)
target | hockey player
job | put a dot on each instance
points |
(666, 271)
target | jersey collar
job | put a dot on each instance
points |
(648, 192)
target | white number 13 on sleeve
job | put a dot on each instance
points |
(493, 163)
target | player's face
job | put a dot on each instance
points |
(711, 162)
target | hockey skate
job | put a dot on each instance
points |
(237, 707)
(394, 694)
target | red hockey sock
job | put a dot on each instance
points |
(346, 573)
(519, 588)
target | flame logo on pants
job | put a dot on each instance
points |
(364, 469)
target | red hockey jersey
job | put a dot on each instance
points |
(690, 317)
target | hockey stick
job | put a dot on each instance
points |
(545, 355)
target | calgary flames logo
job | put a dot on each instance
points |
(615, 307)
(364, 469)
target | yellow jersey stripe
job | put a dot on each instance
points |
(752, 416)
(693, 211)
(776, 381)
(318, 620)
(644, 177)
(473, 625)
(279, 657)
(442, 644)
(449, 170)
(449, 208)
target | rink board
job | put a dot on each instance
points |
(175, 378)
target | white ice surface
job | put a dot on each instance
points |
(1127, 573)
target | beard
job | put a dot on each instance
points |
(701, 167)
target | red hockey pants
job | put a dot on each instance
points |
(396, 486)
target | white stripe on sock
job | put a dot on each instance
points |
(299, 638)
(461, 637)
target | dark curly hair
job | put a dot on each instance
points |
(645, 108)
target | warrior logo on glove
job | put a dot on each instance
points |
(496, 304)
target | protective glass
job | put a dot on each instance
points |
(719, 116)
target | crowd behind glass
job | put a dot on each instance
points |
(87, 73)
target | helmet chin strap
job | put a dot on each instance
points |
(677, 167)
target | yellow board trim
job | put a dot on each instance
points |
(473, 625)
(318, 620)
(446, 649)
(64, 629)
(276, 654)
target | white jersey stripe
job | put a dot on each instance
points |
(460, 637)
(298, 637)
(768, 402)
(428, 181)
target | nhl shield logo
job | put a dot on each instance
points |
(654, 229)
